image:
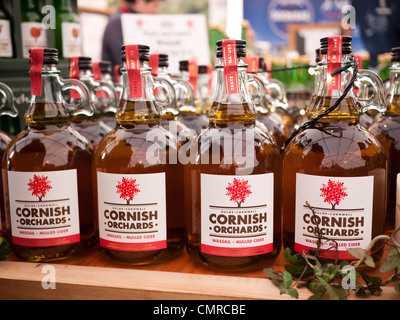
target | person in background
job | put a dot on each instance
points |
(112, 39)
(379, 24)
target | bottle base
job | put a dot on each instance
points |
(52, 254)
(231, 264)
(142, 258)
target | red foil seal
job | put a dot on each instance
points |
(133, 69)
(36, 71)
(154, 64)
(334, 60)
(230, 66)
(193, 69)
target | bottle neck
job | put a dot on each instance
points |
(326, 94)
(202, 86)
(393, 107)
(48, 108)
(232, 108)
(136, 111)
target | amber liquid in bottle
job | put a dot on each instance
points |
(50, 144)
(214, 221)
(335, 146)
(267, 159)
(386, 130)
(93, 128)
(124, 151)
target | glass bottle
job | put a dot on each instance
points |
(105, 71)
(233, 180)
(7, 45)
(334, 171)
(47, 170)
(386, 130)
(204, 90)
(6, 108)
(32, 31)
(93, 127)
(137, 176)
(276, 98)
(267, 121)
(170, 113)
(190, 113)
(68, 32)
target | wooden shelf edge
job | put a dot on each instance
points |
(23, 280)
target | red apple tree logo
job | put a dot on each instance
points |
(333, 192)
(39, 186)
(238, 191)
(127, 189)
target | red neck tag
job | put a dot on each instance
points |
(36, 71)
(230, 66)
(209, 72)
(133, 69)
(74, 68)
(74, 74)
(334, 61)
(253, 64)
(96, 71)
(154, 63)
(193, 74)
(116, 74)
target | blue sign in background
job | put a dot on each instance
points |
(270, 18)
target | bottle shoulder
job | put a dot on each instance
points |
(49, 141)
(334, 144)
(137, 137)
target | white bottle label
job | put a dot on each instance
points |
(342, 212)
(6, 47)
(33, 36)
(71, 39)
(44, 208)
(132, 211)
(237, 214)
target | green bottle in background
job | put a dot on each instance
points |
(68, 32)
(33, 34)
(7, 46)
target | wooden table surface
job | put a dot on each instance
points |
(94, 276)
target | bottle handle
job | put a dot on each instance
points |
(278, 100)
(82, 106)
(7, 108)
(188, 92)
(371, 95)
(110, 104)
(261, 98)
(165, 84)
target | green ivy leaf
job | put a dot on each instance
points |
(334, 293)
(359, 253)
(392, 260)
(286, 285)
(5, 248)
(274, 276)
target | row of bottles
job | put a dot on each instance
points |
(144, 194)
(35, 26)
